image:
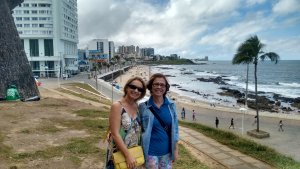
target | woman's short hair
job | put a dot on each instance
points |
(130, 81)
(153, 77)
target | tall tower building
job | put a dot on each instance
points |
(49, 32)
(104, 46)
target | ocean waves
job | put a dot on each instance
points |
(203, 82)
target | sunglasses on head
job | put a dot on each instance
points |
(133, 87)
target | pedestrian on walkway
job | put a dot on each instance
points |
(231, 123)
(194, 115)
(255, 120)
(280, 126)
(183, 114)
(217, 122)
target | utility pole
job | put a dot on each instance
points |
(112, 87)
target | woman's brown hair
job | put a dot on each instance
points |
(130, 81)
(153, 77)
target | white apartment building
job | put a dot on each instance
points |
(103, 46)
(49, 33)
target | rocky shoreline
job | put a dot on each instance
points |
(274, 104)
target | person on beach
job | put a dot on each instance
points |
(217, 122)
(194, 115)
(123, 122)
(231, 123)
(183, 114)
(255, 120)
(280, 124)
(160, 124)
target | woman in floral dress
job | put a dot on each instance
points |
(124, 126)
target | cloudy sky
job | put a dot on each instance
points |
(193, 28)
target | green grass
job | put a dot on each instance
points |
(81, 146)
(89, 88)
(25, 131)
(44, 154)
(96, 127)
(48, 129)
(245, 146)
(78, 95)
(84, 86)
(53, 105)
(103, 101)
(74, 149)
(92, 113)
(5, 151)
(187, 160)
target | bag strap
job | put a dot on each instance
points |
(165, 127)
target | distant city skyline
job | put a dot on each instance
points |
(194, 28)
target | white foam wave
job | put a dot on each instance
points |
(290, 84)
(231, 77)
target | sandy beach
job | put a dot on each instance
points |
(143, 71)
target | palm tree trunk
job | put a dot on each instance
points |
(246, 97)
(255, 76)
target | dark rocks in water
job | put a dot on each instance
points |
(240, 101)
(170, 76)
(231, 92)
(297, 100)
(187, 73)
(286, 109)
(165, 67)
(278, 103)
(174, 85)
(284, 99)
(217, 80)
(296, 105)
(262, 103)
(271, 102)
(184, 90)
(251, 96)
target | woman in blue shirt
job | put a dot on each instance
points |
(160, 125)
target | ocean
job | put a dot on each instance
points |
(282, 78)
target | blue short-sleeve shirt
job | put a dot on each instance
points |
(160, 139)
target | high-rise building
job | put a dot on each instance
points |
(111, 49)
(103, 46)
(49, 32)
(146, 52)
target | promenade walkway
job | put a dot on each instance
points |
(227, 157)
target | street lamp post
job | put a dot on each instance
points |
(243, 110)
(46, 68)
(59, 71)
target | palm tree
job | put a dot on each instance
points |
(251, 51)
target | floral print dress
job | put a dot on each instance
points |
(130, 132)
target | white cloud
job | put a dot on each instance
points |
(286, 48)
(189, 28)
(286, 6)
(230, 37)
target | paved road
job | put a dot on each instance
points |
(286, 142)
(103, 87)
